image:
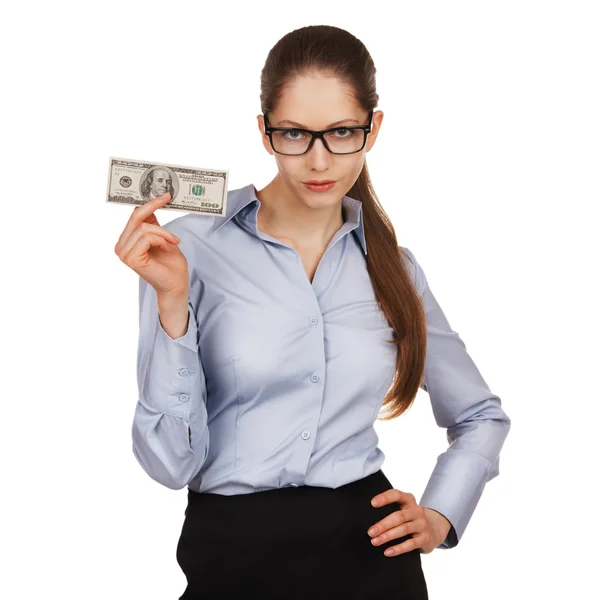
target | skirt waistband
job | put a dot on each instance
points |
(372, 484)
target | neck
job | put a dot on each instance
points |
(285, 217)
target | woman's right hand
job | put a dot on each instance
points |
(152, 251)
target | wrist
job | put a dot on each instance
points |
(173, 314)
(173, 298)
(439, 523)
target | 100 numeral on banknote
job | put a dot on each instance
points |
(135, 182)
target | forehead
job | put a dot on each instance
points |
(316, 101)
(161, 173)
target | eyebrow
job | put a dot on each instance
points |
(300, 126)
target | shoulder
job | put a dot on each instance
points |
(196, 225)
(190, 224)
(410, 260)
(194, 231)
(414, 268)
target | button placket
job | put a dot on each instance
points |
(183, 372)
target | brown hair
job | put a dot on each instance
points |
(331, 50)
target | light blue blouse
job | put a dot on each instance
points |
(280, 380)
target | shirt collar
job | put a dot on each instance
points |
(240, 198)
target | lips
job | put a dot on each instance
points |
(319, 187)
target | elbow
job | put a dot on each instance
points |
(505, 425)
(167, 465)
(494, 469)
(156, 470)
(174, 477)
(502, 423)
(486, 416)
(482, 431)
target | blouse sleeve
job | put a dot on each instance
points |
(476, 425)
(170, 432)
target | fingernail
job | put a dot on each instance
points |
(375, 502)
(373, 531)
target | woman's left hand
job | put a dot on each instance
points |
(428, 527)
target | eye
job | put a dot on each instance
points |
(292, 134)
(344, 130)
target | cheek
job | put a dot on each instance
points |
(350, 171)
(358, 164)
(290, 170)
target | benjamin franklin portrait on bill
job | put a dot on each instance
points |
(157, 181)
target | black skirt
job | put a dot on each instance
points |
(294, 542)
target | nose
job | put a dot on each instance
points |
(318, 156)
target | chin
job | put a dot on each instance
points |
(321, 199)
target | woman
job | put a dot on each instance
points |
(271, 337)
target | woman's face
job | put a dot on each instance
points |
(319, 102)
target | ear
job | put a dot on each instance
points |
(265, 138)
(375, 126)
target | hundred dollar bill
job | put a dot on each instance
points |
(134, 182)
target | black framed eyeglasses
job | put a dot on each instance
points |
(293, 141)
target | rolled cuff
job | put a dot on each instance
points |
(454, 489)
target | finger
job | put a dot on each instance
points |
(144, 213)
(417, 541)
(142, 230)
(396, 518)
(132, 247)
(140, 214)
(405, 528)
(393, 495)
(138, 257)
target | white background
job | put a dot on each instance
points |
(487, 162)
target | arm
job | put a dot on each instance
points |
(170, 432)
(473, 417)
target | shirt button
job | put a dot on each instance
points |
(294, 484)
(183, 397)
(305, 435)
(314, 378)
(184, 372)
(314, 320)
